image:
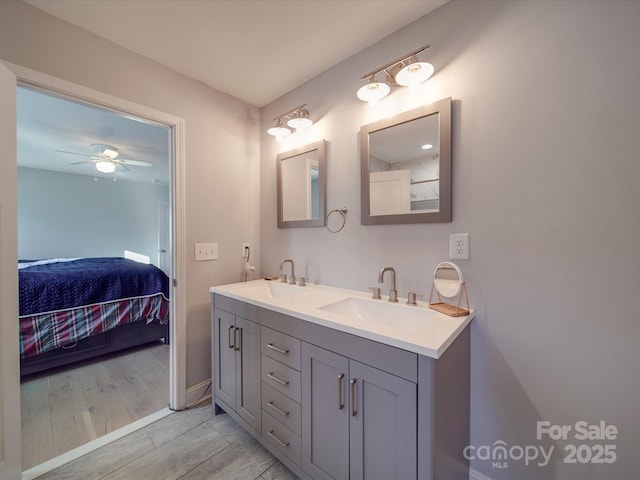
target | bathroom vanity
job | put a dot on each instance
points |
(339, 386)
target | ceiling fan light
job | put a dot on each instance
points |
(414, 73)
(105, 167)
(373, 91)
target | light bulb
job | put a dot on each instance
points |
(373, 91)
(300, 119)
(279, 131)
(414, 74)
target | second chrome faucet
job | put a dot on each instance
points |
(393, 292)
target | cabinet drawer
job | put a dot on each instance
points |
(284, 379)
(281, 407)
(281, 347)
(281, 437)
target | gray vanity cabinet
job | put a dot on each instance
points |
(335, 406)
(237, 365)
(358, 422)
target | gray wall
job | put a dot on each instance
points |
(65, 215)
(545, 170)
(222, 147)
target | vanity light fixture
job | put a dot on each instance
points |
(406, 71)
(297, 118)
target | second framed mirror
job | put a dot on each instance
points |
(406, 167)
(301, 178)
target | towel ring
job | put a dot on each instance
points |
(343, 213)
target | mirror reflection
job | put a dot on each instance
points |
(404, 172)
(406, 167)
(301, 186)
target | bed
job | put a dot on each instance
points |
(74, 309)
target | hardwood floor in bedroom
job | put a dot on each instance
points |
(192, 444)
(72, 406)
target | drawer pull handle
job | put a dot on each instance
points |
(352, 400)
(70, 346)
(281, 412)
(340, 396)
(272, 435)
(277, 349)
(278, 380)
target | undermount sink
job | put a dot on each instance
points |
(377, 311)
(271, 289)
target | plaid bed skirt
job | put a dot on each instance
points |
(47, 331)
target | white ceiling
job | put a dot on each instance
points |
(46, 123)
(254, 50)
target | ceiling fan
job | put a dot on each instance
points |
(105, 158)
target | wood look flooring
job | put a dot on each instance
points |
(69, 407)
(193, 444)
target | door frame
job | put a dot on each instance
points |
(177, 327)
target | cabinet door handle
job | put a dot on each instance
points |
(277, 349)
(276, 379)
(272, 435)
(352, 400)
(340, 396)
(231, 342)
(281, 412)
(238, 344)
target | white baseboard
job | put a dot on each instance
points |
(476, 475)
(199, 393)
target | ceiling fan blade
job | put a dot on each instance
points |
(81, 163)
(122, 166)
(136, 163)
(74, 153)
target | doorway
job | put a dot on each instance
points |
(26, 77)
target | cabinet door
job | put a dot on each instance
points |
(383, 425)
(248, 403)
(225, 357)
(325, 420)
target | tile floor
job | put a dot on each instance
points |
(189, 445)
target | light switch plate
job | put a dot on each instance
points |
(206, 251)
(459, 246)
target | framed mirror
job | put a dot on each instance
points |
(301, 178)
(406, 167)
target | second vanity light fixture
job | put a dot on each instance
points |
(297, 118)
(406, 71)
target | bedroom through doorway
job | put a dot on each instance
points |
(94, 271)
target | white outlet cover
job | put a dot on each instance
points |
(459, 246)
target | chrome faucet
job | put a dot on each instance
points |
(393, 293)
(283, 276)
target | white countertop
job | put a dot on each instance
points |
(416, 329)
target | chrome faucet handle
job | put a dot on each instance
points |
(302, 282)
(412, 297)
(393, 296)
(283, 278)
(376, 293)
(292, 279)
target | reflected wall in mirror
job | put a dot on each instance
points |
(406, 167)
(301, 181)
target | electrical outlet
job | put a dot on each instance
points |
(459, 246)
(246, 250)
(206, 251)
